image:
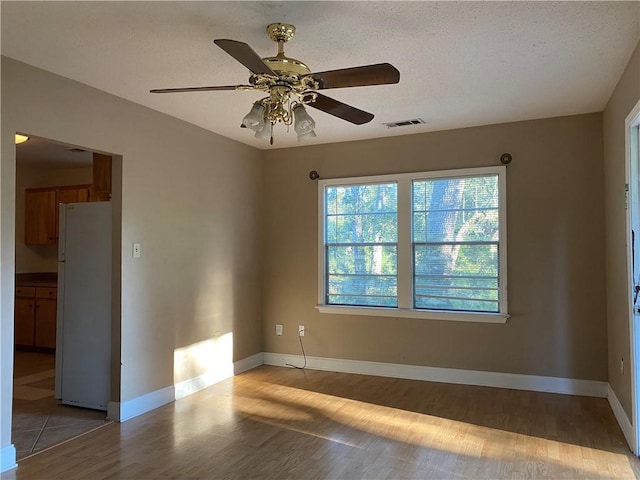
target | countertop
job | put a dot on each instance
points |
(41, 279)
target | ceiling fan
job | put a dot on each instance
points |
(291, 85)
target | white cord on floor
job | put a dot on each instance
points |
(303, 354)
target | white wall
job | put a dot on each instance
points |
(190, 197)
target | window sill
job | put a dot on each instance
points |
(411, 313)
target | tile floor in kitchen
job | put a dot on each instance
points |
(39, 420)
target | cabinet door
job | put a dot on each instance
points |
(40, 217)
(101, 189)
(45, 334)
(73, 195)
(24, 331)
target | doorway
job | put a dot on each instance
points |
(632, 142)
(48, 170)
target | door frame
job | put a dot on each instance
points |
(116, 278)
(632, 179)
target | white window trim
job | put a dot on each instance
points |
(405, 260)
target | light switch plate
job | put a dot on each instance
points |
(279, 329)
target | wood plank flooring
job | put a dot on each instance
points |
(280, 423)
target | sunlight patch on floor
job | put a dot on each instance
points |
(336, 418)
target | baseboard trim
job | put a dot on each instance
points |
(123, 411)
(568, 386)
(193, 385)
(8, 458)
(145, 403)
(621, 417)
(248, 363)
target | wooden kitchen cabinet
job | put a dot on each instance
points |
(25, 308)
(41, 211)
(35, 317)
(40, 220)
(101, 189)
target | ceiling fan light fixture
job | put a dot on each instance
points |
(265, 132)
(254, 120)
(303, 123)
(290, 85)
(306, 136)
(20, 138)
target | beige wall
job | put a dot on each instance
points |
(624, 98)
(229, 238)
(41, 258)
(555, 251)
(190, 197)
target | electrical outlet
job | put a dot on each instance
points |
(136, 250)
(301, 330)
(622, 366)
(279, 329)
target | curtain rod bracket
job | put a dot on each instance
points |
(506, 158)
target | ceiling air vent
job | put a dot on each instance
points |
(404, 123)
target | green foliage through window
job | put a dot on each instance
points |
(456, 244)
(361, 245)
(450, 242)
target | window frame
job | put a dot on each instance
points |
(405, 250)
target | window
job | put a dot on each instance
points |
(361, 247)
(423, 245)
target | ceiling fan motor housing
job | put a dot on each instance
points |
(281, 64)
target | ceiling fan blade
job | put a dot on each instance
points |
(341, 110)
(201, 89)
(243, 53)
(378, 74)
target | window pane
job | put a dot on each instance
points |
(361, 244)
(456, 277)
(362, 228)
(345, 199)
(362, 275)
(455, 210)
(455, 232)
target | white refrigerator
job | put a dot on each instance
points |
(83, 335)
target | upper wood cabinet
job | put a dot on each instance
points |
(40, 219)
(101, 189)
(41, 211)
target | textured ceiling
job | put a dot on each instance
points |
(461, 63)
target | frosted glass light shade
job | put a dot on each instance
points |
(254, 120)
(306, 136)
(303, 123)
(265, 132)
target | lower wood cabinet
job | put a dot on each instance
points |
(35, 317)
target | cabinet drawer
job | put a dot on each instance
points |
(46, 292)
(25, 291)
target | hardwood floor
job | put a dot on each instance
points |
(275, 422)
